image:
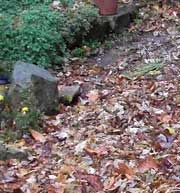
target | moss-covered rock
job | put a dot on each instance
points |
(68, 94)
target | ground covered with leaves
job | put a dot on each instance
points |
(122, 135)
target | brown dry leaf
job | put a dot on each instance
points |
(177, 99)
(61, 189)
(20, 143)
(64, 172)
(35, 188)
(125, 170)
(52, 189)
(147, 163)
(66, 169)
(93, 180)
(98, 152)
(12, 187)
(156, 7)
(120, 80)
(109, 184)
(23, 172)
(96, 70)
(165, 118)
(166, 163)
(62, 178)
(37, 136)
(93, 96)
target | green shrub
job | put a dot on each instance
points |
(13, 7)
(78, 52)
(87, 47)
(79, 23)
(33, 36)
(67, 3)
(32, 32)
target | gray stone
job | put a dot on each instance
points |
(68, 93)
(37, 83)
(23, 73)
(7, 153)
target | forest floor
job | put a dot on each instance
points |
(122, 135)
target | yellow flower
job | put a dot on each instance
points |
(24, 110)
(171, 131)
(1, 97)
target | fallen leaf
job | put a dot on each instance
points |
(156, 7)
(98, 152)
(163, 141)
(23, 172)
(37, 136)
(66, 169)
(80, 147)
(12, 187)
(93, 96)
(93, 180)
(147, 164)
(109, 184)
(177, 100)
(171, 131)
(52, 189)
(96, 69)
(125, 170)
(166, 163)
(165, 118)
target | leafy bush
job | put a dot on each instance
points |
(79, 23)
(13, 7)
(32, 36)
(31, 31)
(67, 3)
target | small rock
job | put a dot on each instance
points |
(67, 94)
(7, 153)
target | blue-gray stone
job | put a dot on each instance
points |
(41, 85)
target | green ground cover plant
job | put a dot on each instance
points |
(33, 32)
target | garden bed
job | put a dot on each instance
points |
(45, 33)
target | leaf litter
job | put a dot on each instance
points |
(123, 134)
